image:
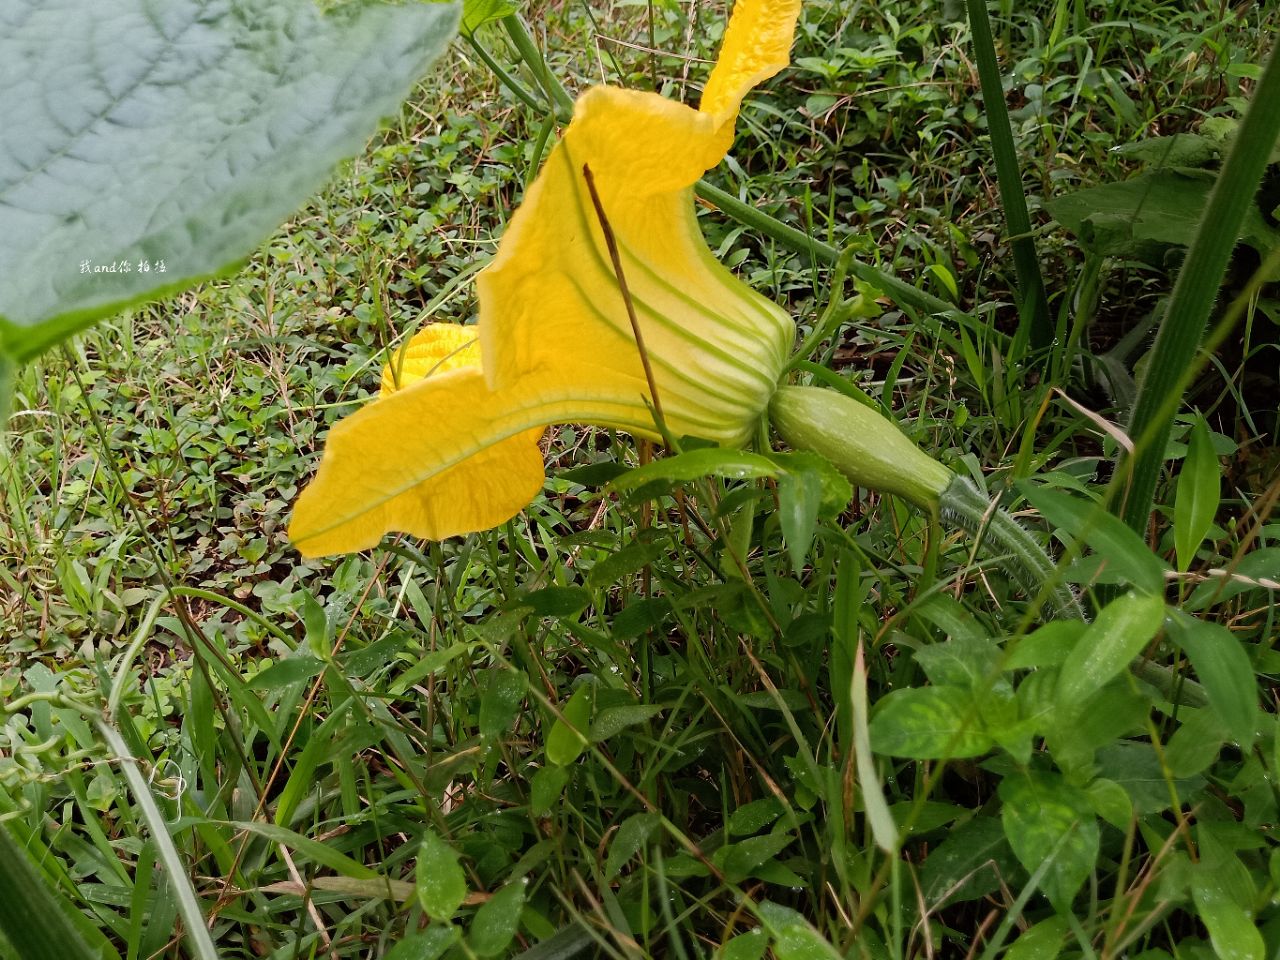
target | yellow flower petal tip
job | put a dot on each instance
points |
(757, 44)
(451, 445)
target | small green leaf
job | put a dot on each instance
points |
(629, 840)
(1042, 942)
(1223, 666)
(745, 946)
(495, 923)
(440, 881)
(799, 500)
(545, 789)
(793, 937)
(1199, 492)
(1046, 819)
(928, 723)
(1231, 930)
(567, 738)
(612, 720)
(558, 602)
(501, 696)
(476, 13)
(740, 860)
(1123, 628)
(970, 863)
(284, 673)
(428, 944)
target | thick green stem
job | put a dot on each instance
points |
(1021, 556)
(1173, 353)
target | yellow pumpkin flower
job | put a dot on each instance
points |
(451, 446)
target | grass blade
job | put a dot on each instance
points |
(1034, 306)
(197, 934)
(1194, 292)
(26, 897)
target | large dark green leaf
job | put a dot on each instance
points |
(175, 134)
(1156, 209)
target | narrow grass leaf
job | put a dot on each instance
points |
(178, 875)
(26, 897)
(883, 828)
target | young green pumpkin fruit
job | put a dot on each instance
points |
(872, 452)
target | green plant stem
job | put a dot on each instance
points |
(801, 242)
(528, 50)
(523, 94)
(8, 380)
(1027, 563)
(1026, 263)
(1194, 292)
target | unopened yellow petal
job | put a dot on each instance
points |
(550, 301)
(757, 44)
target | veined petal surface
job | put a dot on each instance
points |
(551, 299)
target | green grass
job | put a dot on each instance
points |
(304, 726)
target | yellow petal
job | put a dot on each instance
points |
(438, 458)
(757, 44)
(433, 349)
(550, 301)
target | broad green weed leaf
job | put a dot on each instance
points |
(1122, 629)
(495, 923)
(1199, 491)
(1042, 942)
(428, 944)
(476, 13)
(1224, 670)
(501, 695)
(1046, 819)
(970, 863)
(172, 137)
(928, 723)
(629, 840)
(439, 879)
(1121, 548)
(745, 946)
(1231, 930)
(567, 738)
(793, 937)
